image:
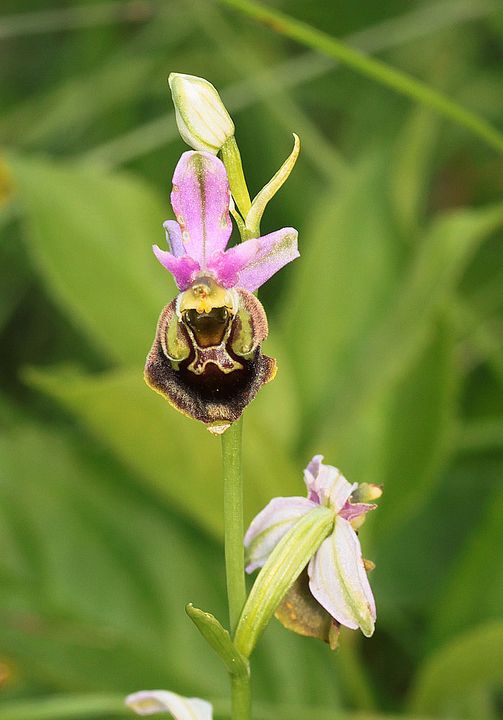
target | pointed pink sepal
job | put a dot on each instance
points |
(183, 268)
(200, 199)
(271, 253)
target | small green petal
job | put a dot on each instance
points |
(259, 204)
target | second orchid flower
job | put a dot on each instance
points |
(335, 590)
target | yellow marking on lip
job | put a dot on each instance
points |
(205, 305)
(204, 295)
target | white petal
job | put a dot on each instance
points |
(339, 582)
(326, 484)
(269, 526)
(148, 702)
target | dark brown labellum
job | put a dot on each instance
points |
(207, 362)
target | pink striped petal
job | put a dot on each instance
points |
(338, 579)
(183, 268)
(200, 200)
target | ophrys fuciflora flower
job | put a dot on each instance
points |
(206, 358)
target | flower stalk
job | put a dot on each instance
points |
(240, 698)
(234, 555)
(231, 158)
(233, 518)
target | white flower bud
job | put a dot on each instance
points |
(203, 122)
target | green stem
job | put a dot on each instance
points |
(241, 698)
(233, 517)
(234, 554)
(232, 160)
(399, 81)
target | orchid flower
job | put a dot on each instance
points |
(206, 357)
(336, 587)
(149, 702)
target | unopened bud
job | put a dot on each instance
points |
(202, 119)
(366, 492)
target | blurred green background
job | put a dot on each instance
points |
(387, 332)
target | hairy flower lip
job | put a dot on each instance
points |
(337, 575)
(182, 389)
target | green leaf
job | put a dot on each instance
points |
(441, 259)
(79, 707)
(416, 562)
(481, 435)
(474, 590)
(89, 234)
(395, 343)
(94, 576)
(341, 285)
(14, 275)
(276, 412)
(174, 455)
(373, 69)
(419, 431)
(411, 168)
(219, 639)
(70, 707)
(448, 680)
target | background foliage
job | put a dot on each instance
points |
(387, 331)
